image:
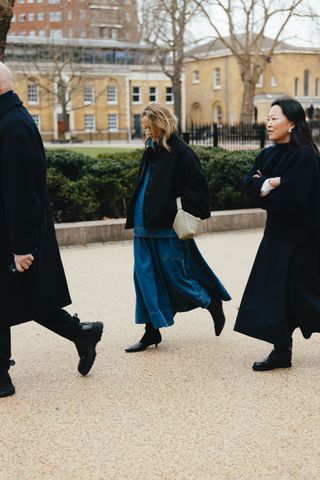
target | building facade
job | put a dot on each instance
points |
(214, 88)
(97, 95)
(109, 19)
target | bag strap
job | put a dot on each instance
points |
(179, 204)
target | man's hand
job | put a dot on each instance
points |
(23, 262)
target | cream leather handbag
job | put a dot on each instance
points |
(185, 225)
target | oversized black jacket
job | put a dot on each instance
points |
(25, 220)
(172, 174)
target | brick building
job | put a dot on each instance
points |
(109, 19)
(107, 83)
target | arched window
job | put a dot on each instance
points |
(217, 113)
(306, 84)
(296, 87)
(196, 113)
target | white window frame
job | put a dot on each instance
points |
(113, 119)
(154, 95)
(89, 122)
(55, 17)
(273, 81)
(40, 16)
(88, 95)
(36, 118)
(169, 94)
(33, 94)
(137, 94)
(22, 17)
(195, 77)
(216, 78)
(112, 99)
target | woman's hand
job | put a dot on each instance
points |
(274, 181)
(23, 262)
(258, 174)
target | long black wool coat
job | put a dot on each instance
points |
(172, 174)
(25, 221)
(283, 289)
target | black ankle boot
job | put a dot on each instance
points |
(6, 386)
(90, 334)
(152, 336)
(216, 311)
(278, 358)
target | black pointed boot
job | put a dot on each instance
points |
(216, 311)
(6, 386)
(152, 336)
(278, 358)
(90, 334)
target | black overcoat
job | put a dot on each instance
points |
(172, 174)
(292, 234)
(25, 221)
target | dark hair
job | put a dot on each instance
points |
(301, 133)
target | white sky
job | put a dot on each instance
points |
(300, 31)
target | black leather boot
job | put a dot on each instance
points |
(90, 334)
(6, 386)
(216, 311)
(152, 336)
(278, 358)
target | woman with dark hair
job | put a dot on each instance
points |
(170, 275)
(283, 290)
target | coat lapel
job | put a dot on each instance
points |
(7, 102)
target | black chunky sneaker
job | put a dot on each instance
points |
(276, 359)
(90, 334)
(6, 386)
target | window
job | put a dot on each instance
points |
(317, 87)
(259, 83)
(217, 78)
(112, 94)
(22, 17)
(42, 33)
(54, 2)
(31, 17)
(218, 114)
(40, 16)
(20, 1)
(306, 84)
(169, 95)
(55, 33)
(32, 33)
(88, 94)
(296, 87)
(33, 94)
(153, 94)
(36, 119)
(14, 19)
(89, 123)
(136, 94)
(55, 17)
(30, 1)
(114, 34)
(274, 81)
(113, 122)
(40, 1)
(195, 76)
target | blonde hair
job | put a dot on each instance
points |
(161, 118)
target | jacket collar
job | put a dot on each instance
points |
(8, 101)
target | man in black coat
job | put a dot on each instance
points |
(32, 280)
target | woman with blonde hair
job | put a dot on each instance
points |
(170, 275)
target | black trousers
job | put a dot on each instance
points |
(60, 322)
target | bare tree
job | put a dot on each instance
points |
(6, 12)
(164, 26)
(248, 22)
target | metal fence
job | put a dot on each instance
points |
(234, 137)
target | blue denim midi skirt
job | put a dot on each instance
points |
(170, 276)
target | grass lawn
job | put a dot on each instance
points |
(94, 151)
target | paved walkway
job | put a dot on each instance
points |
(190, 410)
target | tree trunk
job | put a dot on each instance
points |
(247, 106)
(177, 97)
(6, 7)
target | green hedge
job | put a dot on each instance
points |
(85, 188)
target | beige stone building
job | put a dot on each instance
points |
(107, 83)
(214, 88)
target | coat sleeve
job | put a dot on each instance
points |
(251, 184)
(193, 185)
(292, 195)
(23, 183)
